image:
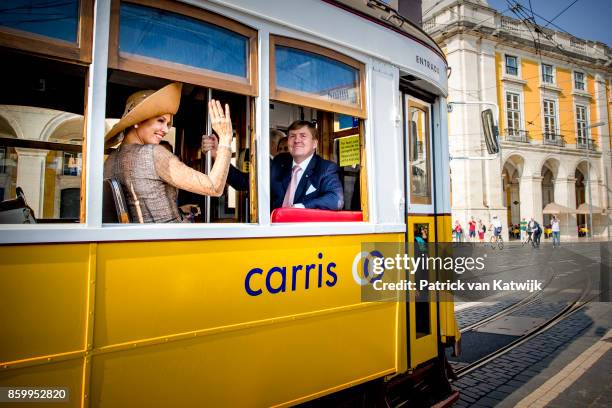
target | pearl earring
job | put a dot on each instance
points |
(136, 126)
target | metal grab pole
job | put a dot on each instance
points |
(208, 158)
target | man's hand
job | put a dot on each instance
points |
(209, 144)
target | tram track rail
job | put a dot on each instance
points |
(567, 311)
(521, 303)
(532, 298)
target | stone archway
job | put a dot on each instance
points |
(511, 177)
(588, 190)
(580, 191)
(549, 172)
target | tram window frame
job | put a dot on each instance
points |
(126, 79)
(328, 147)
(50, 69)
(178, 72)
(411, 101)
(303, 99)
(79, 51)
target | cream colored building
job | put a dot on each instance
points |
(554, 117)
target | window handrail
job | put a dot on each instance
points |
(553, 139)
(586, 143)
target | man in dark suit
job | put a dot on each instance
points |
(302, 178)
(317, 181)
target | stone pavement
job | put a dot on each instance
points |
(527, 373)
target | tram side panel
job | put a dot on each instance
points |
(174, 324)
(196, 320)
(44, 294)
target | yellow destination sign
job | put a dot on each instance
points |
(348, 150)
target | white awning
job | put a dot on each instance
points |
(584, 209)
(554, 208)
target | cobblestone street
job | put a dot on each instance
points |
(506, 380)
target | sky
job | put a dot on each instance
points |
(585, 19)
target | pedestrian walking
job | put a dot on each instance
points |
(481, 231)
(556, 231)
(472, 229)
(523, 229)
(458, 231)
(536, 232)
(531, 229)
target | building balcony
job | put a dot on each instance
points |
(552, 139)
(586, 144)
(515, 135)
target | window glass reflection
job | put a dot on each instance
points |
(418, 132)
(311, 73)
(172, 37)
(55, 19)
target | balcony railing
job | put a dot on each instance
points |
(582, 143)
(510, 24)
(515, 135)
(553, 139)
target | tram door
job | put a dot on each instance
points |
(420, 228)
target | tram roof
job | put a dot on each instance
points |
(382, 14)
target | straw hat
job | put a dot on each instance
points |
(144, 105)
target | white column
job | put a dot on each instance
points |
(565, 194)
(591, 196)
(31, 177)
(602, 115)
(476, 184)
(594, 187)
(531, 197)
(464, 124)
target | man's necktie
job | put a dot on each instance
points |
(290, 194)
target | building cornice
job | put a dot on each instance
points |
(513, 80)
(494, 30)
(581, 94)
(550, 87)
(541, 148)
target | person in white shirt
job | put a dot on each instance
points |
(556, 231)
(496, 226)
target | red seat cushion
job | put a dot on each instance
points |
(310, 215)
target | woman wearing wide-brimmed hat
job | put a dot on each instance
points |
(150, 175)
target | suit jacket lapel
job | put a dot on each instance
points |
(305, 180)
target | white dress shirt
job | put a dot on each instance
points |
(303, 165)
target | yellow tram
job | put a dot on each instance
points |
(206, 313)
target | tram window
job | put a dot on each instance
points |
(60, 19)
(418, 122)
(55, 28)
(307, 74)
(314, 83)
(185, 139)
(192, 45)
(41, 135)
(340, 141)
